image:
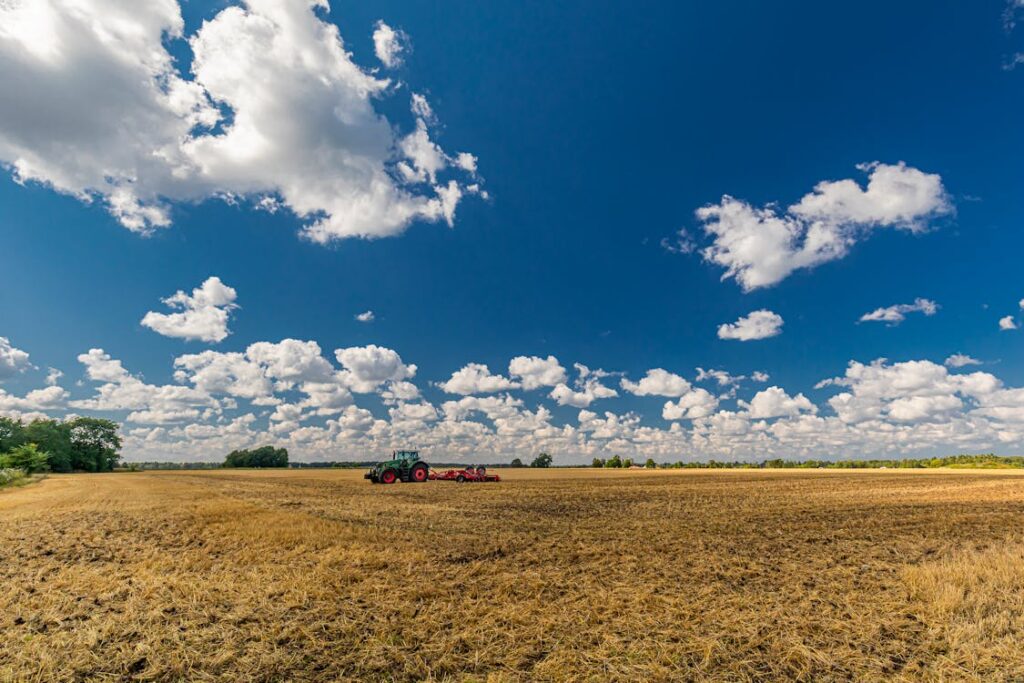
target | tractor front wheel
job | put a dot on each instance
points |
(461, 479)
(418, 473)
(388, 477)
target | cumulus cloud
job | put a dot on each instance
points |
(894, 315)
(960, 360)
(534, 372)
(588, 388)
(690, 406)
(388, 45)
(1007, 323)
(12, 360)
(756, 325)
(657, 382)
(759, 247)
(202, 316)
(722, 377)
(476, 378)
(274, 109)
(775, 402)
(365, 317)
(368, 367)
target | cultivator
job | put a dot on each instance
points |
(466, 474)
(407, 466)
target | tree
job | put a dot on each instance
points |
(542, 460)
(95, 444)
(264, 456)
(614, 461)
(27, 457)
(650, 464)
(598, 462)
(12, 434)
(54, 438)
(516, 462)
(627, 463)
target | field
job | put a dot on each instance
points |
(548, 576)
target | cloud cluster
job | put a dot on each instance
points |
(202, 316)
(760, 247)
(274, 109)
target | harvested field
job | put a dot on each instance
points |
(549, 575)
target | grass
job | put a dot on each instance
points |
(558, 575)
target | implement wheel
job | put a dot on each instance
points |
(418, 474)
(461, 479)
(388, 477)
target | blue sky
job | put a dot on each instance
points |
(597, 130)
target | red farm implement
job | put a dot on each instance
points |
(464, 475)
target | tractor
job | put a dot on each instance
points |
(403, 466)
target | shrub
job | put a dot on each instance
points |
(9, 475)
(27, 458)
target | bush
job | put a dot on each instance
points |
(9, 475)
(650, 464)
(27, 458)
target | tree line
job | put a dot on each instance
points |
(85, 444)
(984, 460)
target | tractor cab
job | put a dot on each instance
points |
(404, 465)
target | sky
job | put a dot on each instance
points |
(672, 230)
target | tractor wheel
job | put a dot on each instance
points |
(481, 471)
(461, 479)
(388, 477)
(419, 473)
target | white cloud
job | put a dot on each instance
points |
(368, 367)
(588, 389)
(1007, 323)
(36, 400)
(365, 317)
(102, 113)
(695, 404)
(534, 372)
(657, 382)
(723, 377)
(775, 402)
(476, 378)
(756, 325)
(759, 376)
(760, 247)
(12, 360)
(894, 315)
(959, 360)
(202, 316)
(388, 45)
(53, 376)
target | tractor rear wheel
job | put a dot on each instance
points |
(418, 473)
(388, 477)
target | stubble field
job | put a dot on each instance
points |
(547, 576)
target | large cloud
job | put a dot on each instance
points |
(760, 247)
(275, 108)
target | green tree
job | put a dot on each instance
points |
(95, 444)
(27, 457)
(650, 464)
(627, 463)
(12, 434)
(598, 462)
(614, 461)
(264, 456)
(542, 460)
(54, 438)
(516, 462)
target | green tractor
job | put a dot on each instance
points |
(404, 466)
